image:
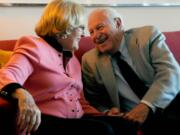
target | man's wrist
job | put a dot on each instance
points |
(153, 108)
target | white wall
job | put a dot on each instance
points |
(18, 21)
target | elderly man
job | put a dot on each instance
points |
(131, 74)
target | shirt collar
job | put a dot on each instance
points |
(53, 42)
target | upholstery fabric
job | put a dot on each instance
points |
(173, 41)
(4, 57)
(7, 114)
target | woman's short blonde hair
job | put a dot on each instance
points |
(58, 17)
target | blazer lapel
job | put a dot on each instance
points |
(138, 57)
(105, 68)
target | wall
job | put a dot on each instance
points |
(18, 21)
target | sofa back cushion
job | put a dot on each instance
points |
(173, 41)
(84, 45)
(7, 44)
(6, 47)
(4, 57)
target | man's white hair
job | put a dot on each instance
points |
(110, 13)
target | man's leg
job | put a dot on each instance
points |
(119, 125)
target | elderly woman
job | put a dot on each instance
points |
(44, 76)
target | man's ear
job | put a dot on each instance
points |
(117, 22)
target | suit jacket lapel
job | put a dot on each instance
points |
(105, 68)
(138, 58)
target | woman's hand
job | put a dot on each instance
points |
(29, 117)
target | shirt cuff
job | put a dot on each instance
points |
(153, 108)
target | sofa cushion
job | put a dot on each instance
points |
(7, 44)
(84, 45)
(4, 57)
(173, 41)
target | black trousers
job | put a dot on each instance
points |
(119, 125)
(165, 121)
(158, 124)
(87, 125)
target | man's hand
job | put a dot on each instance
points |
(139, 114)
(29, 117)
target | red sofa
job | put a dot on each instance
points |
(8, 110)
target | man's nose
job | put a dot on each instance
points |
(96, 35)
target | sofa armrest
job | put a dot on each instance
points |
(8, 113)
(7, 44)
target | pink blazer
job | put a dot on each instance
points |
(39, 68)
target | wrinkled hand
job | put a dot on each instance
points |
(29, 117)
(139, 114)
